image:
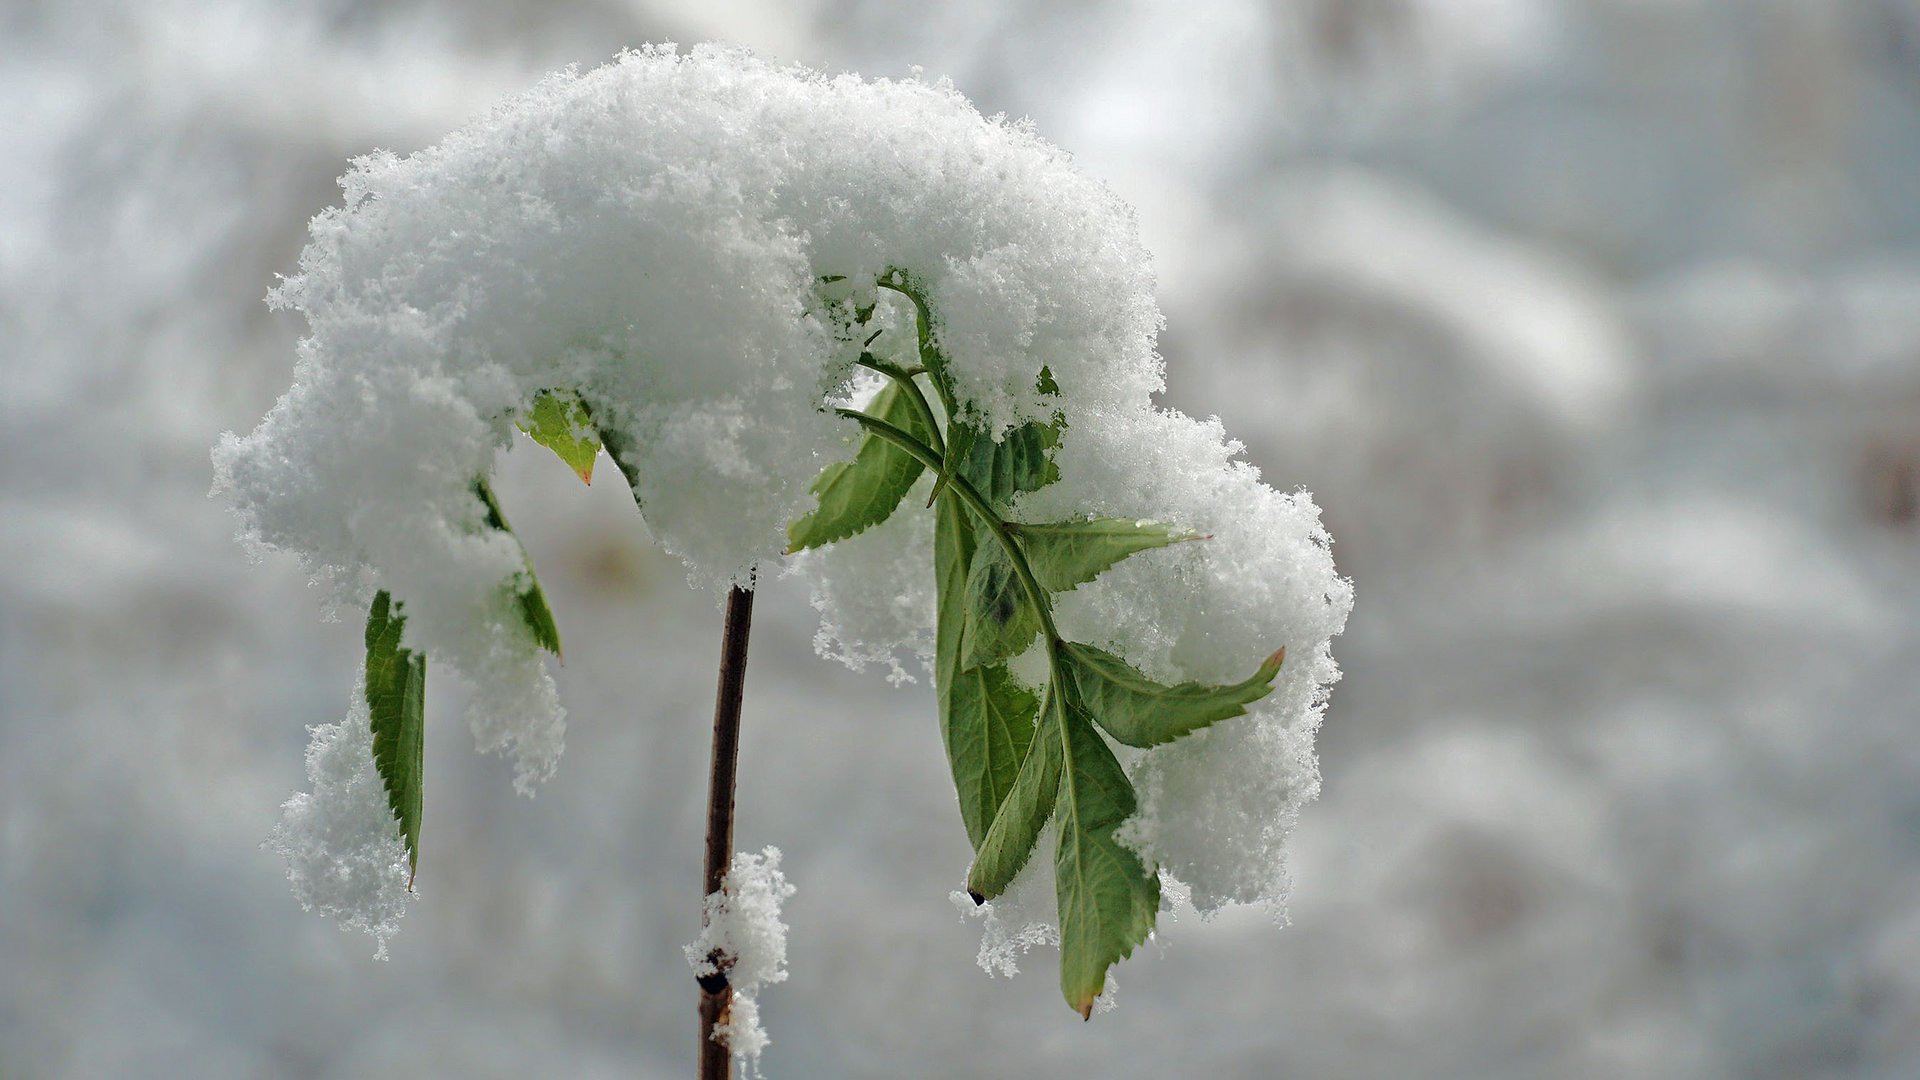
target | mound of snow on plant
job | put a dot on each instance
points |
(657, 236)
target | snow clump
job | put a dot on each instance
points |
(344, 855)
(744, 934)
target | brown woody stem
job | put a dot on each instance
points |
(716, 996)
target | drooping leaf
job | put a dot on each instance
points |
(1108, 898)
(1001, 621)
(559, 421)
(396, 687)
(986, 719)
(989, 730)
(1022, 813)
(953, 544)
(1022, 461)
(526, 588)
(1141, 712)
(859, 494)
(1064, 554)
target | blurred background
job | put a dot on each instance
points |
(1593, 326)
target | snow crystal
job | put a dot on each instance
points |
(344, 852)
(744, 932)
(670, 236)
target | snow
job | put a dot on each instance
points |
(742, 936)
(344, 853)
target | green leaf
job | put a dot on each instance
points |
(1022, 813)
(953, 544)
(559, 421)
(962, 725)
(1001, 621)
(1140, 712)
(1063, 554)
(526, 588)
(989, 729)
(396, 688)
(1022, 461)
(1108, 898)
(1045, 383)
(986, 718)
(859, 494)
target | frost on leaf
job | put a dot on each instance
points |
(744, 939)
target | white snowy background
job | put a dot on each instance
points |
(1594, 327)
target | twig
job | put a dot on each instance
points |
(716, 996)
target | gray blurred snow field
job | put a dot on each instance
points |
(1593, 327)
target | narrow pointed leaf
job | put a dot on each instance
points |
(396, 687)
(953, 546)
(1001, 621)
(856, 495)
(986, 718)
(1064, 554)
(1141, 712)
(988, 735)
(559, 421)
(526, 588)
(1108, 898)
(1022, 813)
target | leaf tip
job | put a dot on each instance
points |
(1085, 1009)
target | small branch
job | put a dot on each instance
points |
(716, 1058)
(930, 357)
(904, 377)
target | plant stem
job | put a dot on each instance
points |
(716, 995)
(904, 378)
(930, 357)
